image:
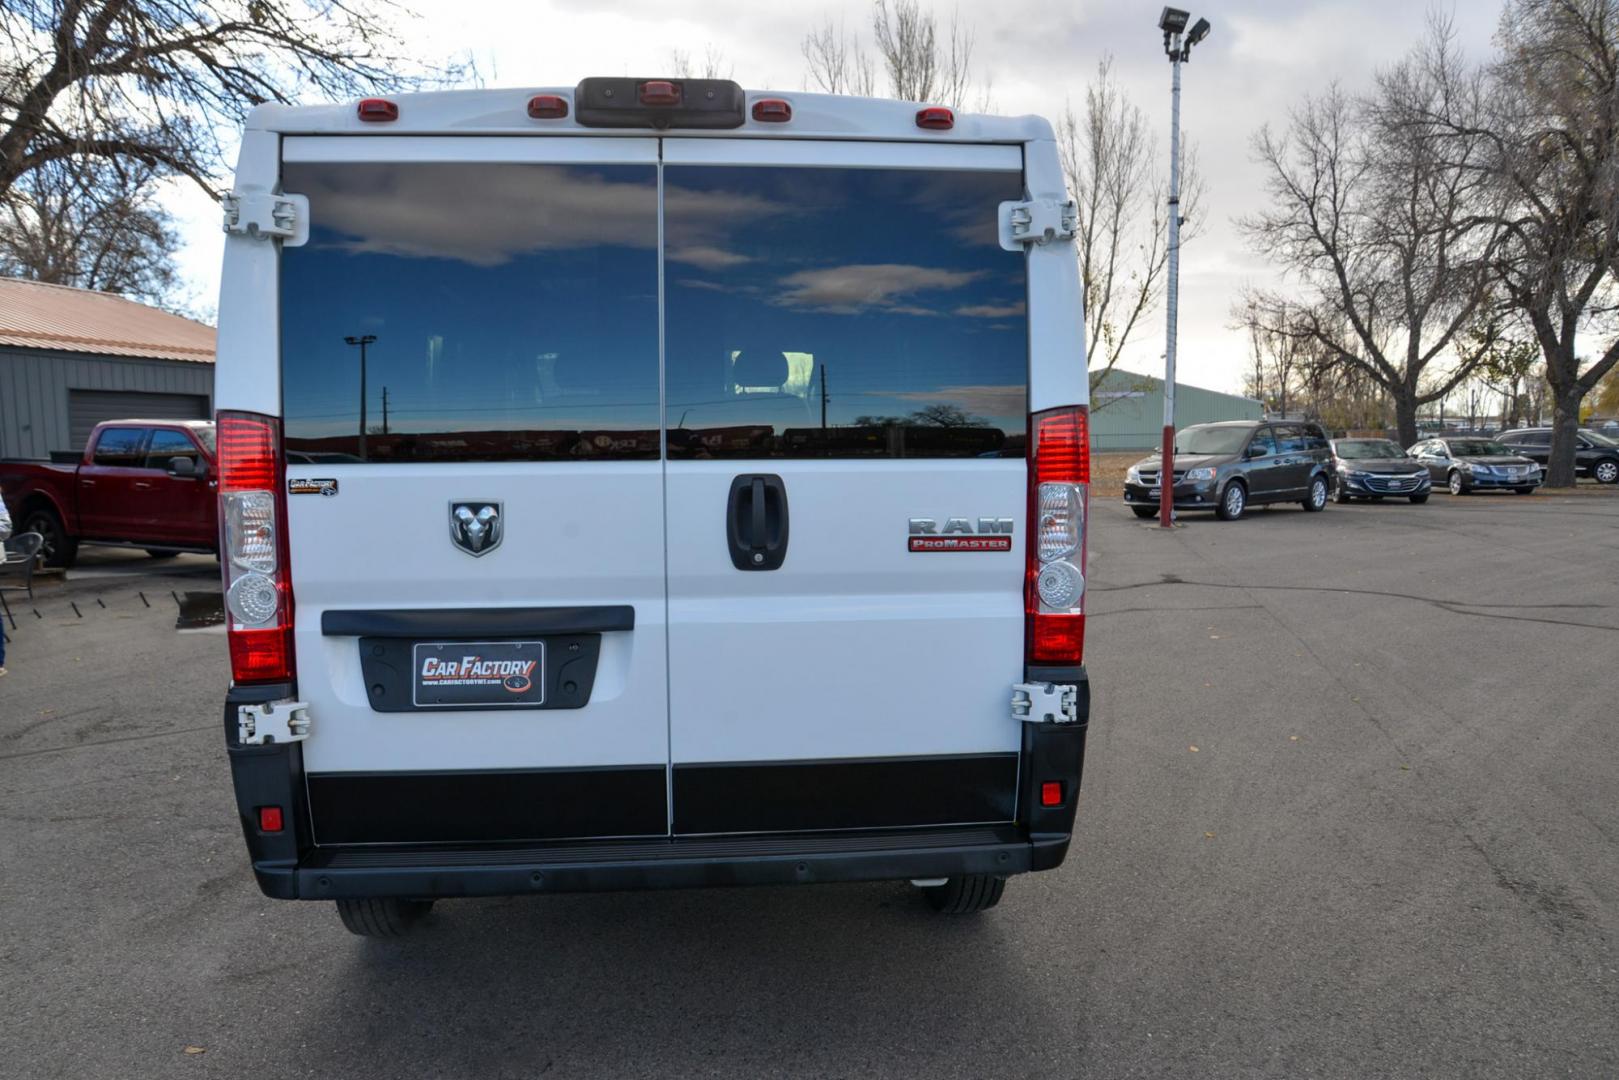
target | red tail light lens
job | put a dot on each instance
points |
(1054, 571)
(935, 118)
(772, 111)
(375, 110)
(660, 92)
(547, 107)
(253, 548)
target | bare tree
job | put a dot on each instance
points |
(1109, 160)
(93, 224)
(1390, 240)
(1553, 128)
(836, 63)
(922, 61)
(154, 81)
(713, 66)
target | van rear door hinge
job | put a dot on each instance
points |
(1045, 703)
(272, 722)
(1037, 221)
(263, 215)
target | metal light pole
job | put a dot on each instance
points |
(362, 341)
(1179, 50)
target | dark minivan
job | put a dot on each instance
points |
(1227, 467)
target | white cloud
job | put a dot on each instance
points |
(707, 258)
(858, 287)
(991, 311)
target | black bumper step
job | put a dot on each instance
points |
(435, 870)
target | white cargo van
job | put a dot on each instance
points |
(636, 485)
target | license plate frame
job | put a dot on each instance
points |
(477, 679)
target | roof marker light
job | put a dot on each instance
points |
(660, 92)
(935, 118)
(772, 111)
(547, 107)
(377, 110)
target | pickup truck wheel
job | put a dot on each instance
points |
(58, 549)
(159, 553)
(966, 894)
(382, 917)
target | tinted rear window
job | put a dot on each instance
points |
(842, 313)
(120, 447)
(514, 310)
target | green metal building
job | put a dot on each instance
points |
(1127, 410)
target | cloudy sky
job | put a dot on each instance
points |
(1261, 56)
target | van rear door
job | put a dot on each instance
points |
(847, 395)
(470, 385)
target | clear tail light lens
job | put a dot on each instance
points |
(253, 540)
(1059, 483)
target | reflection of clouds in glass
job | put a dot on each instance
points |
(847, 290)
(1009, 400)
(991, 311)
(378, 209)
(707, 258)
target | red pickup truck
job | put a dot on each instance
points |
(140, 483)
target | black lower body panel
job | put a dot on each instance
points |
(671, 862)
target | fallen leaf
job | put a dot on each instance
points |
(1292, 738)
(1405, 768)
(196, 1050)
(1193, 749)
(1208, 836)
(1214, 637)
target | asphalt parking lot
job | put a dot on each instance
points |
(1349, 811)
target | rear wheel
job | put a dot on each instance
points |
(1317, 497)
(58, 549)
(382, 917)
(1606, 471)
(1145, 511)
(1419, 499)
(966, 895)
(1233, 502)
(1458, 486)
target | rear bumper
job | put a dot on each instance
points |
(664, 863)
(289, 865)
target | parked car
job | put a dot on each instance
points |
(1596, 455)
(139, 483)
(1373, 468)
(1227, 467)
(1468, 464)
(537, 630)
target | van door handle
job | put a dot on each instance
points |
(756, 522)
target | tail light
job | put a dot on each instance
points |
(935, 118)
(253, 548)
(1054, 573)
(772, 111)
(375, 110)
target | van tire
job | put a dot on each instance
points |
(1145, 511)
(382, 917)
(1231, 509)
(1316, 499)
(967, 894)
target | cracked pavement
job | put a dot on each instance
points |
(1393, 853)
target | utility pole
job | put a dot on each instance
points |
(1179, 50)
(385, 410)
(823, 399)
(362, 341)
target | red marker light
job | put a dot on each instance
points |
(270, 819)
(376, 110)
(547, 107)
(660, 92)
(772, 111)
(935, 118)
(1051, 793)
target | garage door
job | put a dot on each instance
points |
(87, 408)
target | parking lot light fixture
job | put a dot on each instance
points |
(1178, 47)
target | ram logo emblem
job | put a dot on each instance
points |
(476, 527)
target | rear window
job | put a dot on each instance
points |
(512, 311)
(120, 447)
(829, 312)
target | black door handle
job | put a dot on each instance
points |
(756, 522)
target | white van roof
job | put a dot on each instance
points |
(505, 112)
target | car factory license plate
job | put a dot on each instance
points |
(485, 674)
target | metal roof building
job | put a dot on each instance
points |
(70, 358)
(1127, 410)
